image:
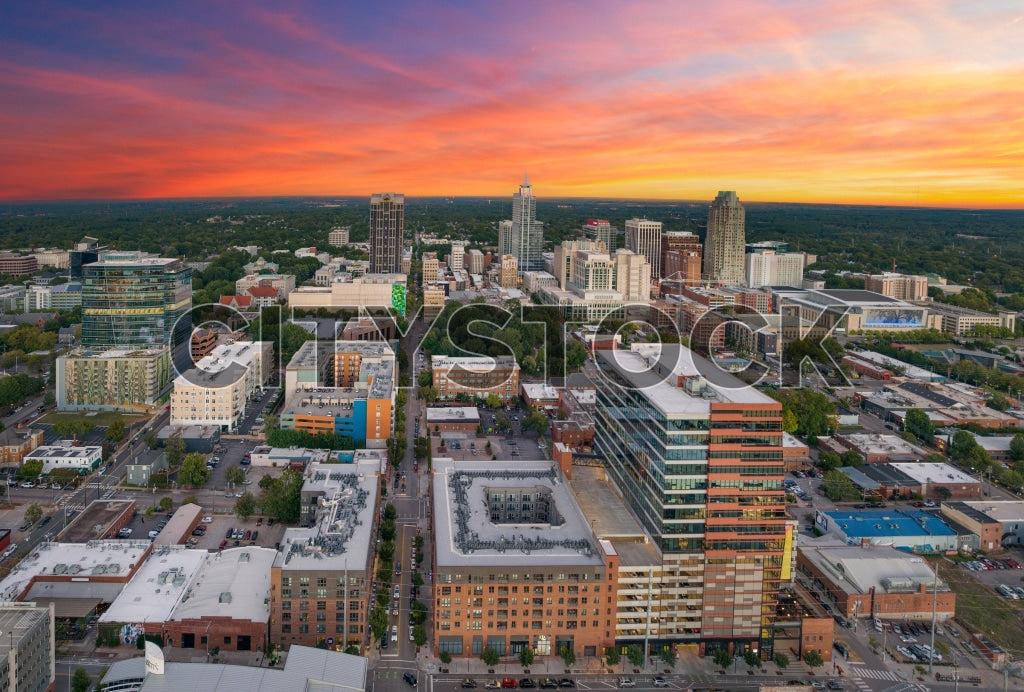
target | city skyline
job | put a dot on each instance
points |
(865, 104)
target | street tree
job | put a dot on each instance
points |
(918, 423)
(379, 622)
(33, 512)
(116, 430)
(1017, 447)
(419, 635)
(245, 506)
(526, 656)
(80, 681)
(174, 451)
(193, 471)
(234, 475)
(611, 656)
(568, 655)
(490, 657)
(32, 468)
(635, 654)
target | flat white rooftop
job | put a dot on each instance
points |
(655, 368)
(934, 473)
(110, 558)
(1005, 511)
(453, 414)
(157, 587)
(231, 583)
(871, 443)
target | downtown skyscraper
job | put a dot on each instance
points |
(643, 237)
(387, 222)
(526, 235)
(725, 242)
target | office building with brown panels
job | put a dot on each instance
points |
(475, 377)
(696, 454)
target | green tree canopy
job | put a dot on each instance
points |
(33, 512)
(245, 506)
(490, 657)
(918, 423)
(193, 471)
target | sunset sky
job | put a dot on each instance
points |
(917, 102)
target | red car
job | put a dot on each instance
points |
(509, 683)
(223, 544)
(248, 534)
(259, 521)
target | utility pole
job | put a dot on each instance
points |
(935, 602)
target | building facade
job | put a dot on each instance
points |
(132, 300)
(509, 272)
(766, 267)
(475, 377)
(724, 245)
(338, 237)
(216, 390)
(17, 265)
(66, 456)
(27, 648)
(602, 231)
(387, 227)
(320, 580)
(643, 237)
(632, 276)
(116, 379)
(901, 286)
(700, 464)
(15, 443)
(495, 588)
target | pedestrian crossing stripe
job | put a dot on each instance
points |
(859, 672)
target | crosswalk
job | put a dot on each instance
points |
(860, 672)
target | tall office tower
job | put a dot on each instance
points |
(508, 274)
(644, 238)
(723, 247)
(565, 255)
(387, 223)
(592, 271)
(602, 230)
(700, 463)
(632, 276)
(527, 232)
(134, 300)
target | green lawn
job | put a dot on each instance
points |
(99, 418)
(982, 609)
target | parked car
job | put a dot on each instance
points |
(509, 683)
(468, 684)
(492, 684)
(207, 520)
(527, 684)
(660, 681)
(409, 678)
(627, 682)
(566, 682)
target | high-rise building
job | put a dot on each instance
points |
(27, 660)
(387, 223)
(565, 255)
(901, 286)
(508, 275)
(689, 246)
(632, 276)
(458, 256)
(644, 238)
(338, 236)
(601, 230)
(87, 251)
(764, 267)
(475, 262)
(527, 233)
(134, 300)
(430, 267)
(697, 455)
(592, 271)
(723, 247)
(681, 268)
(504, 238)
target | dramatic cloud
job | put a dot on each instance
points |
(902, 102)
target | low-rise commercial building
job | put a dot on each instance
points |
(475, 377)
(465, 419)
(874, 580)
(1008, 514)
(283, 284)
(17, 265)
(320, 580)
(878, 449)
(100, 520)
(65, 455)
(306, 668)
(381, 291)
(914, 530)
(962, 321)
(941, 481)
(517, 536)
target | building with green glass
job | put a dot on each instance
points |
(135, 300)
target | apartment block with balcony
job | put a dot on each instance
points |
(133, 380)
(216, 390)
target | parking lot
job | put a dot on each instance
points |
(215, 531)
